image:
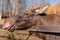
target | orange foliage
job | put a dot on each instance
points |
(57, 8)
(50, 10)
(53, 9)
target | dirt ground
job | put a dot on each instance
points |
(17, 35)
(23, 35)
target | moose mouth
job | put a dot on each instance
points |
(9, 28)
(5, 28)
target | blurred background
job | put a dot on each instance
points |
(5, 5)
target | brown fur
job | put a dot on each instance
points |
(7, 22)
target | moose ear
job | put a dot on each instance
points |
(42, 10)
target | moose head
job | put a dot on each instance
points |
(24, 22)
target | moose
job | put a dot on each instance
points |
(28, 18)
